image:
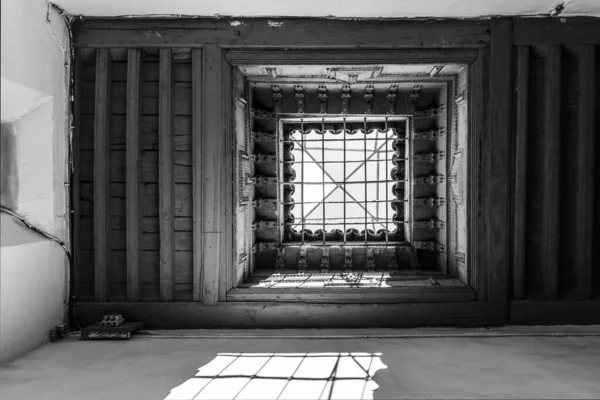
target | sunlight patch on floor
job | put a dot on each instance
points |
(279, 376)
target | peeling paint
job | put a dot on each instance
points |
(275, 24)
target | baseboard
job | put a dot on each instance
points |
(555, 312)
(269, 315)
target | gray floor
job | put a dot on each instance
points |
(413, 367)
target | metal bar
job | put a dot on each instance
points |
(336, 140)
(342, 162)
(387, 174)
(287, 118)
(344, 128)
(366, 177)
(302, 174)
(323, 171)
(339, 183)
(344, 202)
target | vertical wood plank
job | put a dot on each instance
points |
(551, 162)
(226, 275)
(197, 173)
(101, 174)
(584, 213)
(478, 111)
(165, 176)
(75, 171)
(521, 139)
(132, 174)
(495, 178)
(212, 159)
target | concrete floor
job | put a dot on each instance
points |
(435, 367)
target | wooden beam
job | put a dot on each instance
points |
(198, 192)
(76, 171)
(551, 183)
(269, 57)
(132, 178)
(420, 294)
(555, 312)
(495, 178)
(288, 32)
(226, 264)
(240, 315)
(101, 173)
(584, 212)
(165, 176)
(213, 137)
(478, 117)
(520, 197)
(548, 31)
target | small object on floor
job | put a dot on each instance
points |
(99, 332)
(112, 320)
(58, 332)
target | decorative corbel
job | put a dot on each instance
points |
(370, 264)
(299, 95)
(346, 95)
(302, 264)
(391, 99)
(348, 259)
(322, 95)
(392, 260)
(368, 96)
(413, 96)
(325, 265)
(277, 98)
(280, 259)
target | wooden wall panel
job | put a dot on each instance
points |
(555, 128)
(537, 226)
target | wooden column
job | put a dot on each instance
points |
(166, 187)
(495, 179)
(132, 179)
(584, 213)
(76, 171)
(551, 184)
(101, 173)
(226, 203)
(212, 158)
(197, 157)
(521, 139)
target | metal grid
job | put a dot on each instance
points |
(341, 173)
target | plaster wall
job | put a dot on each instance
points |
(330, 8)
(34, 59)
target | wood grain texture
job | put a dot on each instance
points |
(520, 195)
(551, 180)
(495, 178)
(134, 206)
(548, 31)
(226, 265)
(75, 173)
(478, 112)
(555, 312)
(584, 213)
(357, 57)
(293, 33)
(101, 173)
(165, 175)
(213, 137)
(194, 315)
(425, 294)
(198, 189)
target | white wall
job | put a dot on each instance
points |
(334, 8)
(33, 270)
